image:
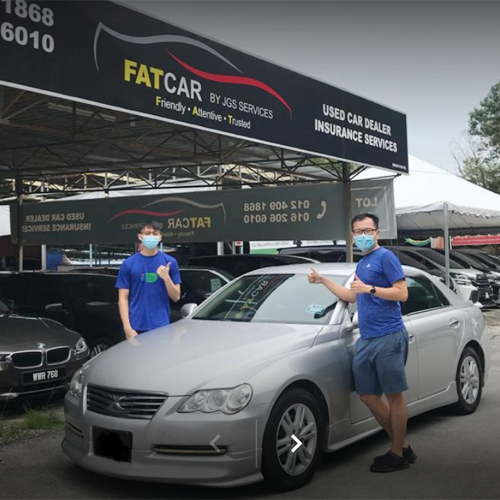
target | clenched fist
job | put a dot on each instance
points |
(358, 287)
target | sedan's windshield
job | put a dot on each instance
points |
(272, 298)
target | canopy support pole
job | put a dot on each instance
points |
(19, 200)
(349, 256)
(446, 217)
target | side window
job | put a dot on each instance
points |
(44, 291)
(425, 262)
(199, 284)
(15, 288)
(422, 296)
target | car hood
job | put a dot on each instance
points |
(20, 333)
(193, 354)
(472, 273)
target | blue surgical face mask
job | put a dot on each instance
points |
(365, 242)
(150, 242)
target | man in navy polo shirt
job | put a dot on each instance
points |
(147, 282)
(381, 352)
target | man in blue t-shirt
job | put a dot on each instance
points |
(381, 352)
(147, 282)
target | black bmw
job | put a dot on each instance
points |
(37, 356)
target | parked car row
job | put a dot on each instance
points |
(475, 275)
(86, 300)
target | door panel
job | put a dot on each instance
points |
(438, 329)
(438, 334)
(359, 411)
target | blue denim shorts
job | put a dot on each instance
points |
(379, 364)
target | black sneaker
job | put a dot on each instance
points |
(408, 453)
(390, 463)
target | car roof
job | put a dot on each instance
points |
(337, 268)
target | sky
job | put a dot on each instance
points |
(433, 60)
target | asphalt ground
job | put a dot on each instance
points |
(458, 457)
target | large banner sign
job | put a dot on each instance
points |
(107, 54)
(302, 212)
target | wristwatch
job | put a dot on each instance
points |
(373, 290)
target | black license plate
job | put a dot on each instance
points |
(43, 376)
(116, 445)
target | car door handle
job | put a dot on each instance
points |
(454, 323)
(411, 338)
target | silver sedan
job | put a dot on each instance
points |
(256, 382)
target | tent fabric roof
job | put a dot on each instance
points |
(420, 199)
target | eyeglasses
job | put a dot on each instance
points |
(369, 231)
(150, 233)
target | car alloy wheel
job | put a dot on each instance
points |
(297, 413)
(469, 380)
(97, 349)
(99, 345)
(297, 421)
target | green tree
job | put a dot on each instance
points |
(484, 121)
(482, 172)
(479, 159)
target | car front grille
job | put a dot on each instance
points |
(58, 355)
(27, 359)
(482, 283)
(482, 280)
(124, 404)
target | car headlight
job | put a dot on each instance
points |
(228, 401)
(4, 356)
(461, 279)
(76, 386)
(80, 347)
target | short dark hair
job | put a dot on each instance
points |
(360, 217)
(155, 226)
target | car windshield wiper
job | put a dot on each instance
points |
(222, 319)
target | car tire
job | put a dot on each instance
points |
(282, 469)
(469, 381)
(100, 344)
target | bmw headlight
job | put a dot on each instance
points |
(4, 356)
(80, 347)
(228, 401)
(76, 386)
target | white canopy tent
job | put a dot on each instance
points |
(420, 200)
(422, 196)
(431, 200)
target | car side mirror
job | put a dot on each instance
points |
(58, 307)
(188, 309)
(354, 323)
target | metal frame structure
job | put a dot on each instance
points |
(54, 147)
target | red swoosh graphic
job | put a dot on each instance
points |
(145, 212)
(238, 80)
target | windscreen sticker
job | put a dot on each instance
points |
(215, 284)
(315, 309)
